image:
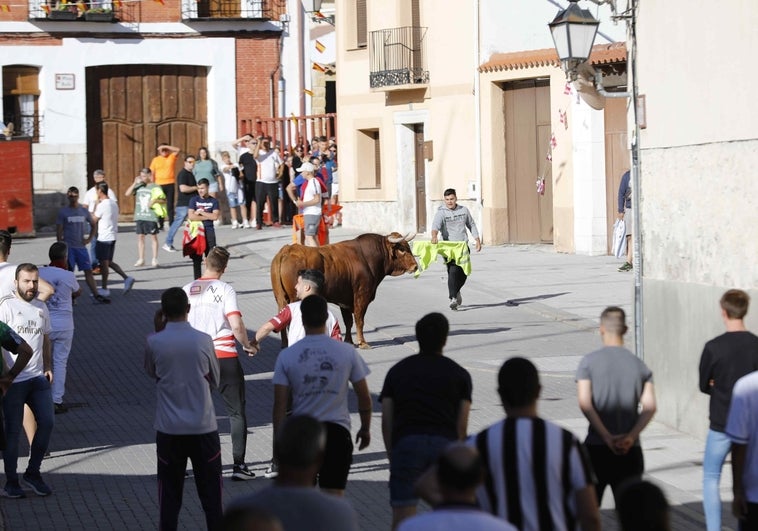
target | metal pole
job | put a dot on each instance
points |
(639, 335)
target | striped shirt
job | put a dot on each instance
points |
(534, 469)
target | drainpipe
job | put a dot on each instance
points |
(477, 116)
(280, 87)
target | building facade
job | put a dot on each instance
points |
(435, 95)
(101, 84)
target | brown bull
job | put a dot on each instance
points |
(353, 270)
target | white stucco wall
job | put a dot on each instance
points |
(698, 160)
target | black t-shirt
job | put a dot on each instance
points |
(726, 359)
(188, 179)
(426, 392)
(249, 166)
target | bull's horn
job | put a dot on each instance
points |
(408, 237)
(394, 239)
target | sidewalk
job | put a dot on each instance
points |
(519, 300)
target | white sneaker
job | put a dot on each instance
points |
(216, 222)
(253, 224)
(128, 283)
(168, 248)
(235, 225)
(155, 262)
(453, 304)
(139, 263)
(104, 292)
(245, 224)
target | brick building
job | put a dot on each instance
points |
(100, 84)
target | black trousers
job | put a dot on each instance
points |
(262, 191)
(197, 260)
(168, 189)
(612, 470)
(232, 389)
(456, 278)
(249, 189)
(751, 521)
(204, 451)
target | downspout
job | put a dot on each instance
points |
(477, 116)
(278, 68)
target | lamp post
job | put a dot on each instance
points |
(573, 31)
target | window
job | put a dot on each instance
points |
(20, 100)
(368, 149)
(361, 24)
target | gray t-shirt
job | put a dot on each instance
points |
(317, 369)
(617, 378)
(302, 508)
(452, 224)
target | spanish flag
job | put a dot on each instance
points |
(117, 4)
(161, 2)
(293, 118)
(320, 47)
(46, 8)
(5, 8)
(308, 92)
(318, 67)
(319, 14)
(81, 7)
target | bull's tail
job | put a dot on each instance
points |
(277, 282)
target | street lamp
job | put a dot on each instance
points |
(573, 31)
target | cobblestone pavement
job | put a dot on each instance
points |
(520, 300)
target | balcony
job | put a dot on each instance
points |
(398, 58)
(204, 10)
(89, 11)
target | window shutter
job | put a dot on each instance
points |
(361, 24)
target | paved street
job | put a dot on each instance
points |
(520, 300)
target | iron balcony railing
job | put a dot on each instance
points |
(227, 9)
(398, 57)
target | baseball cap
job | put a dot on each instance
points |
(307, 166)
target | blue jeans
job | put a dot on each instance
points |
(717, 447)
(35, 392)
(180, 213)
(411, 456)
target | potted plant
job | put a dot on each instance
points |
(64, 12)
(99, 14)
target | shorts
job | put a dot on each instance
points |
(311, 224)
(335, 188)
(146, 227)
(412, 455)
(105, 250)
(213, 187)
(236, 198)
(629, 221)
(338, 457)
(79, 258)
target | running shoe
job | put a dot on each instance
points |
(128, 283)
(34, 482)
(242, 473)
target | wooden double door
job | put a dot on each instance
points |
(131, 109)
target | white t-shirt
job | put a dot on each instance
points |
(742, 428)
(312, 189)
(231, 183)
(90, 198)
(60, 304)
(317, 370)
(30, 320)
(291, 317)
(212, 301)
(268, 162)
(107, 225)
(7, 278)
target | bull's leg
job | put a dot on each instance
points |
(347, 316)
(360, 312)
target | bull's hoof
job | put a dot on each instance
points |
(364, 346)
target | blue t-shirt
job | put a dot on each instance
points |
(209, 204)
(76, 223)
